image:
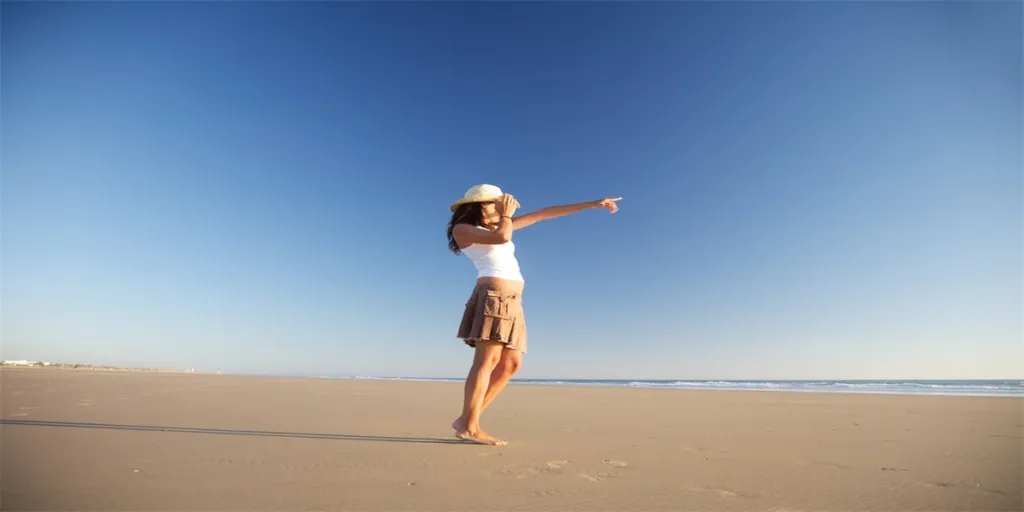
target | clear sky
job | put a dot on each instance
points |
(811, 189)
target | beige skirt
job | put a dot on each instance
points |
(494, 313)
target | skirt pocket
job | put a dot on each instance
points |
(495, 305)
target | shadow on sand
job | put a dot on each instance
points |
(187, 430)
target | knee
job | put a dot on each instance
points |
(487, 363)
(510, 366)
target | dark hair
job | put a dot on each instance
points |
(470, 213)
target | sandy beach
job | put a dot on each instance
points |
(75, 440)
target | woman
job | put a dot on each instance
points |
(493, 323)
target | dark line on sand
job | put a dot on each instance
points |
(190, 430)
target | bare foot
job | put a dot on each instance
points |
(479, 437)
(460, 424)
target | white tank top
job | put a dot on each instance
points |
(495, 260)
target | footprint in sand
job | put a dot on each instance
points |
(595, 476)
(828, 465)
(721, 492)
(549, 467)
(552, 467)
(963, 485)
(706, 451)
(22, 411)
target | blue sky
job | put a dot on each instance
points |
(811, 189)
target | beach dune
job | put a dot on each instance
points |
(89, 440)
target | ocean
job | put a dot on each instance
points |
(892, 387)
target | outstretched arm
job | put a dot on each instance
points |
(558, 211)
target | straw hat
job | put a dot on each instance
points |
(479, 194)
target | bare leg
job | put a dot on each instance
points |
(467, 427)
(510, 362)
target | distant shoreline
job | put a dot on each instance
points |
(89, 367)
(908, 387)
